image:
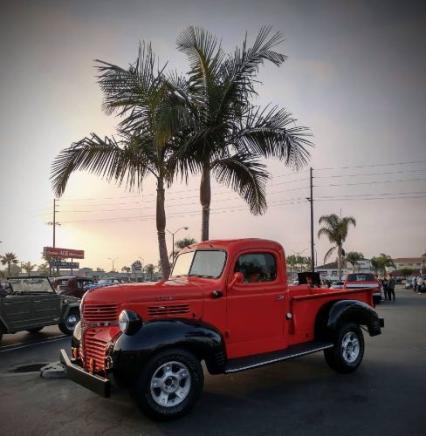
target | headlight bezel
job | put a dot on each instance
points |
(129, 322)
(77, 332)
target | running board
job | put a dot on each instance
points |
(243, 363)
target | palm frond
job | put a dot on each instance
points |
(329, 253)
(273, 132)
(246, 176)
(103, 157)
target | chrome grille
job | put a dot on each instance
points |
(94, 348)
(100, 312)
(177, 309)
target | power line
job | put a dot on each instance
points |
(373, 182)
(373, 165)
(370, 174)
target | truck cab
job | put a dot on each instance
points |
(226, 303)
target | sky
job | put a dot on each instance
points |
(355, 75)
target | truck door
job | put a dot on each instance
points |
(256, 307)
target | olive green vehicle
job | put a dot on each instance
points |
(31, 303)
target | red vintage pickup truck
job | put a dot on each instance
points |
(226, 303)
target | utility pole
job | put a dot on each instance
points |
(311, 200)
(53, 224)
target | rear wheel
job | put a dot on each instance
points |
(169, 384)
(69, 322)
(347, 354)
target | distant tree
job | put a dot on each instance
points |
(28, 267)
(126, 269)
(98, 269)
(9, 259)
(292, 262)
(149, 269)
(336, 230)
(405, 272)
(180, 245)
(381, 262)
(353, 257)
(43, 269)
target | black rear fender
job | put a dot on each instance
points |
(333, 315)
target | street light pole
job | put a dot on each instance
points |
(173, 240)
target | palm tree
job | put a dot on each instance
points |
(336, 230)
(227, 133)
(9, 259)
(180, 245)
(381, 262)
(148, 135)
(28, 267)
(353, 258)
(43, 268)
(149, 269)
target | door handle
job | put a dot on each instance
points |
(216, 294)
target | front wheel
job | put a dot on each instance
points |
(169, 385)
(69, 322)
(347, 354)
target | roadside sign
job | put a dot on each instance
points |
(65, 265)
(63, 253)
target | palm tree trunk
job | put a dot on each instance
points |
(339, 261)
(205, 199)
(161, 229)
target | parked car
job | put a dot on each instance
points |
(365, 280)
(72, 285)
(31, 303)
(227, 303)
(102, 284)
(337, 284)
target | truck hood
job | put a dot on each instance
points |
(192, 288)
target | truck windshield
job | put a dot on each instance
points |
(200, 263)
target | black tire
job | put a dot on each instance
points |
(345, 359)
(67, 325)
(36, 330)
(147, 396)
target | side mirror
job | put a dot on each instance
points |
(237, 279)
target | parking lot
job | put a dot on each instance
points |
(300, 397)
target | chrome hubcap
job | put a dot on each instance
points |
(350, 347)
(170, 384)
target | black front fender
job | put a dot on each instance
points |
(332, 316)
(130, 352)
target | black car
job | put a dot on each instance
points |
(30, 303)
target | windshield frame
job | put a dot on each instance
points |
(10, 280)
(192, 262)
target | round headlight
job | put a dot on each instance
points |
(129, 322)
(77, 331)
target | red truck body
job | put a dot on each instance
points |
(242, 322)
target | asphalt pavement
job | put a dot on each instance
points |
(386, 396)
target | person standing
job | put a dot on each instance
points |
(391, 289)
(385, 287)
(420, 283)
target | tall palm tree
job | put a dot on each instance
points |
(148, 136)
(9, 259)
(229, 134)
(336, 230)
(353, 258)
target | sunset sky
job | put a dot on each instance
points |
(355, 74)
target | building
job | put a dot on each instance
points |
(415, 263)
(329, 271)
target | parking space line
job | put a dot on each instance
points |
(19, 346)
